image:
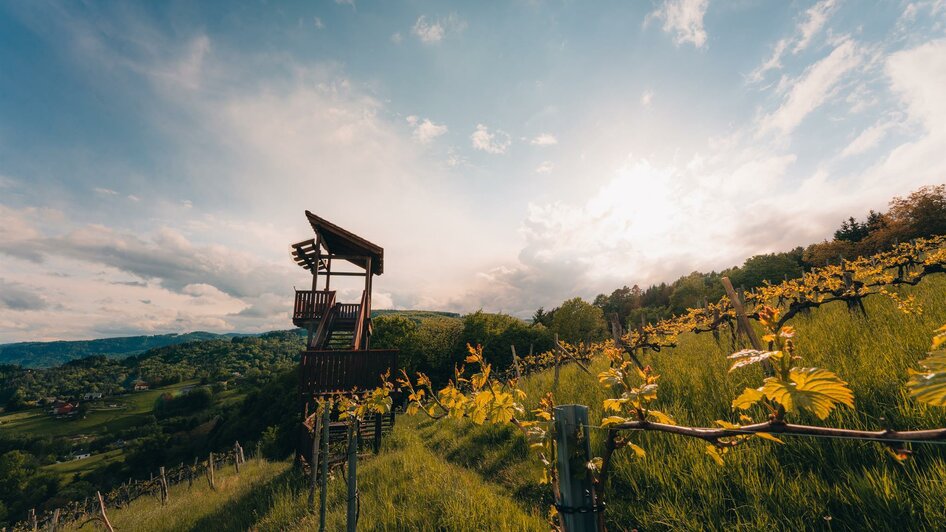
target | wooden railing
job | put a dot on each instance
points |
(361, 326)
(347, 311)
(326, 372)
(311, 305)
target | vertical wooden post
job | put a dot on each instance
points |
(108, 525)
(352, 517)
(210, 471)
(164, 486)
(743, 321)
(515, 362)
(33, 518)
(557, 359)
(259, 450)
(323, 482)
(190, 474)
(378, 418)
(740, 310)
(54, 524)
(577, 507)
(314, 459)
(236, 456)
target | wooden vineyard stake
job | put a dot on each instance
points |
(105, 521)
(33, 518)
(743, 322)
(210, 471)
(314, 460)
(515, 362)
(236, 457)
(259, 451)
(54, 524)
(323, 482)
(352, 517)
(164, 487)
(617, 333)
(555, 382)
(578, 508)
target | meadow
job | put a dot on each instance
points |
(453, 474)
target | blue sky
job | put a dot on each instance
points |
(156, 158)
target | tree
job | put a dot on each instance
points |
(773, 267)
(818, 255)
(578, 321)
(921, 214)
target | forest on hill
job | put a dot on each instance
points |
(48, 354)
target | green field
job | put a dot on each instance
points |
(132, 410)
(453, 475)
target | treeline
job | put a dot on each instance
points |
(921, 214)
(48, 354)
(209, 360)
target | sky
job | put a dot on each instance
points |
(156, 158)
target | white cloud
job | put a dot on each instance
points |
(317, 21)
(396, 38)
(424, 130)
(545, 168)
(105, 191)
(496, 142)
(647, 97)
(684, 18)
(434, 31)
(545, 139)
(867, 140)
(132, 197)
(816, 16)
(810, 90)
(772, 63)
(428, 32)
(805, 32)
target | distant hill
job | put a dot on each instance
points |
(416, 314)
(49, 354)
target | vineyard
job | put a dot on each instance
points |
(782, 387)
(816, 403)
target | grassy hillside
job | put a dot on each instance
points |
(806, 483)
(406, 487)
(453, 475)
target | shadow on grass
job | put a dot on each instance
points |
(244, 512)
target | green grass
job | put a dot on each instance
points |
(70, 468)
(406, 487)
(804, 484)
(133, 409)
(453, 475)
(200, 508)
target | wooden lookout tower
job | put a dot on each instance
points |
(338, 358)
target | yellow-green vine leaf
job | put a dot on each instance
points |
(930, 386)
(614, 405)
(612, 420)
(747, 357)
(660, 417)
(638, 450)
(814, 389)
(726, 424)
(714, 453)
(767, 436)
(748, 398)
